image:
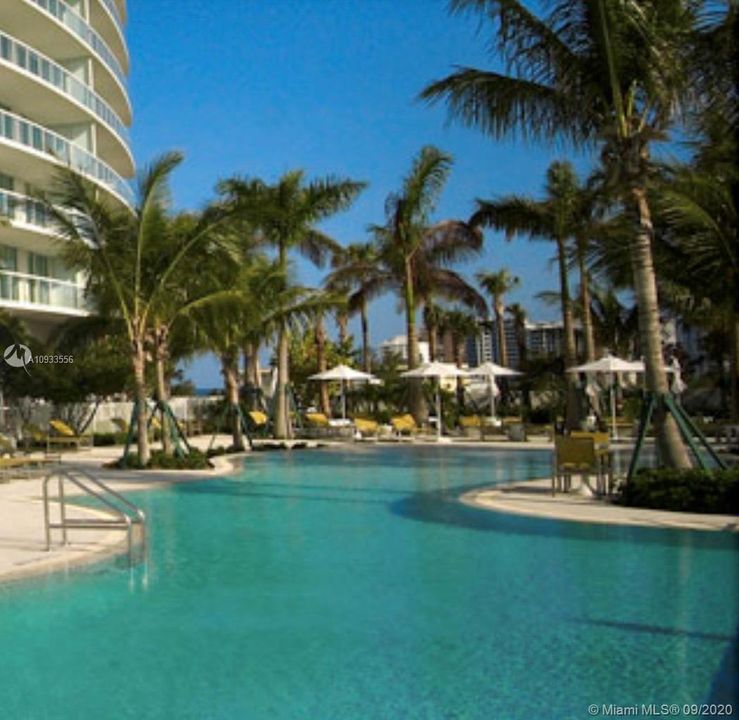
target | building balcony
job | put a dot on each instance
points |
(26, 149)
(44, 90)
(107, 21)
(52, 28)
(38, 294)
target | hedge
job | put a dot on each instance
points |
(694, 490)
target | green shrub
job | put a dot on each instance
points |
(194, 460)
(695, 490)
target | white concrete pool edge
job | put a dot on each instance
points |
(23, 551)
(533, 498)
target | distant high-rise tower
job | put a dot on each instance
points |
(63, 102)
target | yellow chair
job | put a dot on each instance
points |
(258, 422)
(65, 436)
(404, 424)
(576, 456)
(366, 428)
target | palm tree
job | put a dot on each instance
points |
(614, 73)
(287, 215)
(459, 326)
(551, 219)
(120, 252)
(497, 284)
(432, 320)
(354, 268)
(414, 254)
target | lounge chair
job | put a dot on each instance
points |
(366, 428)
(578, 456)
(65, 436)
(404, 425)
(470, 425)
(258, 422)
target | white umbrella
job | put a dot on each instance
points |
(436, 370)
(491, 370)
(611, 365)
(343, 373)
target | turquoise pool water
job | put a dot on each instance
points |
(327, 585)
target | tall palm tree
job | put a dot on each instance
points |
(614, 73)
(414, 254)
(551, 219)
(459, 325)
(287, 215)
(119, 249)
(497, 284)
(433, 316)
(354, 268)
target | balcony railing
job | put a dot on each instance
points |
(23, 209)
(37, 290)
(47, 70)
(77, 24)
(113, 10)
(17, 129)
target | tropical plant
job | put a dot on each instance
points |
(591, 71)
(415, 255)
(497, 284)
(120, 252)
(552, 219)
(286, 215)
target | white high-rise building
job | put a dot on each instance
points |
(63, 102)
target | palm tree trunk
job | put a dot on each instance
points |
(500, 330)
(670, 445)
(572, 412)
(282, 419)
(587, 317)
(320, 339)
(366, 357)
(415, 393)
(161, 351)
(250, 353)
(231, 380)
(138, 362)
(342, 323)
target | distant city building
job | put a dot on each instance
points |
(543, 339)
(398, 345)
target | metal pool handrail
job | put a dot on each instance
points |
(125, 513)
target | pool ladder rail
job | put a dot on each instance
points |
(123, 514)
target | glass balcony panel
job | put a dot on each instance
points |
(22, 287)
(19, 54)
(76, 23)
(19, 130)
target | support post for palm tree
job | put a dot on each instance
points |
(232, 412)
(688, 429)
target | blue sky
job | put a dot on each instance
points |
(257, 88)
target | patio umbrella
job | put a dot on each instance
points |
(611, 365)
(491, 370)
(343, 373)
(436, 370)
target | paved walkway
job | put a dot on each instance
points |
(534, 498)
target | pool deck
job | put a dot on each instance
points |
(534, 498)
(23, 551)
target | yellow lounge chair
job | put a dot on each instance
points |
(404, 425)
(366, 428)
(65, 436)
(258, 422)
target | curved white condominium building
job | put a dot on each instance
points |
(63, 102)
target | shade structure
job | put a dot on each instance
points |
(491, 370)
(612, 365)
(436, 370)
(344, 374)
(609, 364)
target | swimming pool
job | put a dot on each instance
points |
(348, 584)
